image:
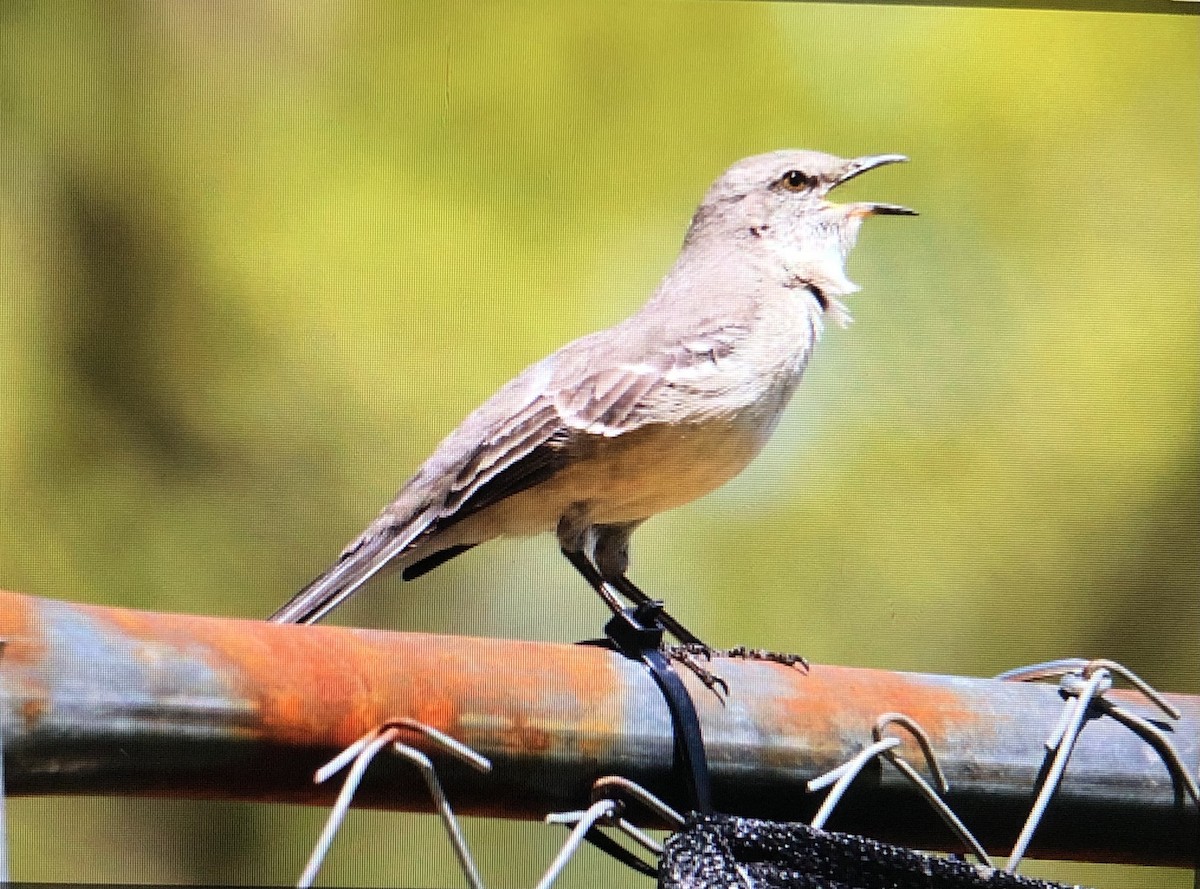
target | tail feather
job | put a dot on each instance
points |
(358, 564)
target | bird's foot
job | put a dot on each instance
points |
(689, 655)
(762, 654)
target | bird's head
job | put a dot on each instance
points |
(780, 203)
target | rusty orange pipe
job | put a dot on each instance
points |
(113, 701)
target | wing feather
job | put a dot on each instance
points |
(516, 441)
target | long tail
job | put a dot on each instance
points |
(360, 561)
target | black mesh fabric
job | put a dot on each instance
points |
(724, 852)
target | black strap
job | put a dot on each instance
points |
(637, 633)
(605, 843)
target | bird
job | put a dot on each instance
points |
(647, 415)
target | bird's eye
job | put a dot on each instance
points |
(795, 180)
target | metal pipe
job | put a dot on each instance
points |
(113, 701)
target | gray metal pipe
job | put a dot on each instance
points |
(112, 701)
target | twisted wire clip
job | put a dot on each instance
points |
(359, 756)
(608, 809)
(884, 747)
(1084, 683)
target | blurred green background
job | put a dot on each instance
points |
(257, 259)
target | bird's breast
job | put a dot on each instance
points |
(660, 466)
(691, 435)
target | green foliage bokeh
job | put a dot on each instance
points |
(256, 259)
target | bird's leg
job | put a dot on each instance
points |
(611, 558)
(605, 573)
(691, 646)
(630, 591)
(684, 654)
(581, 563)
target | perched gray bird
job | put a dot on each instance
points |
(647, 415)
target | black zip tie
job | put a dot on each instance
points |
(621, 792)
(637, 633)
(607, 844)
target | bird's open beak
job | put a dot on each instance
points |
(860, 165)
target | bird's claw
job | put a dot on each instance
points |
(687, 655)
(762, 654)
(695, 649)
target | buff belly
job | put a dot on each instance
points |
(624, 479)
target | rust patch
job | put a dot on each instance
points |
(833, 706)
(24, 651)
(20, 629)
(328, 686)
(32, 709)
